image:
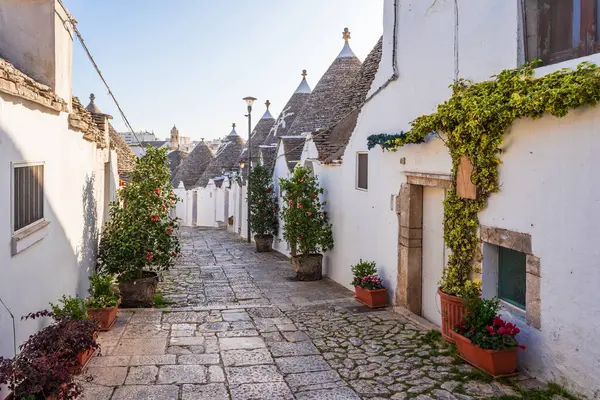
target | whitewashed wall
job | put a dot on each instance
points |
(281, 170)
(548, 175)
(74, 205)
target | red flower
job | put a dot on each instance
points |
(157, 191)
(274, 210)
(314, 196)
(300, 180)
(164, 207)
(169, 230)
(299, 205)
(516, 330)
(149, 255)
(509, 325)
(174, 253)
(502, 330)
(522, 347)
(266, 217)
(155, 218)
(490, 330)
(308, 213)
(291, 203)
(297, 223)
(300, 237)
(498, 322)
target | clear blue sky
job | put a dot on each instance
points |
(190, 62)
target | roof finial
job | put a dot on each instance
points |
(304, 74)
(233, 125)
(202, 139)
(346, 35)
(92, 97)
(267, 103)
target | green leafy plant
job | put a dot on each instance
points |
(263, 203)
(482, 325)
(139, 236)
(371, 282)
(362, 269)
(473, 122)
(307, 227)
(69, 308)
(103, 291)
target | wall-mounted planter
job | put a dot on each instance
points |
(371, 298)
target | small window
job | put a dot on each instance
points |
(512, 276)
(560, 30)
(28, 195)
(362, 171)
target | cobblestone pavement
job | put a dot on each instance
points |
(240, 329)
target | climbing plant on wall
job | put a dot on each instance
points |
(473, 121)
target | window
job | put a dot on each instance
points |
(362, 171)
(511, 276)
(559, 30)
(28, 195)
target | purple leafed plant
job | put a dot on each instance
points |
(47, 361)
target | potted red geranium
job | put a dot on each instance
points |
(486, 341)
(368, 285)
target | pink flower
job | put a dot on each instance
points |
(308, 213)
(498, 321)
(291, 203)
(502, 330)
(149, 255)
(155, 218)
(157, 191)
(522, 347)
(299, 205)
(297, 223)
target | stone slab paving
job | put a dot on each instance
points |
(291, 340)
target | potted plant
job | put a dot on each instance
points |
(103, 303)
(368, 286)
(306, 226)
(74, 309)
(485, 340)
(263, 208)
(455, 288)
(47, 361)
(138, 240)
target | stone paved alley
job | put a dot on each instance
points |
(239, 328)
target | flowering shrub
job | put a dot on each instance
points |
(371, 282)
(47, 360)
(263, 203)
(139, 234)
(362, 269)
(482, 325)
(307, 227)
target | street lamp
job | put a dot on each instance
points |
(249, 101)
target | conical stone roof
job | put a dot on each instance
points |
(226, 158)
(259, 134)
(192, 168)
(176, 157)
(289, 113)
(332, 142)
(325, 100)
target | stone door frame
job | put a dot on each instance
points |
(409, 208)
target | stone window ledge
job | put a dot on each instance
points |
(29, 236)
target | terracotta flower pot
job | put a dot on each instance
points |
(308, 268)
(139, 292)
(453, 309)
(106, 316)
(495, 362)
(264, 244)
(83, 357)
(371, 298)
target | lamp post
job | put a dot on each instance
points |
(249, 101)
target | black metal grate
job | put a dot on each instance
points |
(28, 195)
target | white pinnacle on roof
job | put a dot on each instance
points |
(267, 114)
(303, 86)
(346, 50)
(233, 132)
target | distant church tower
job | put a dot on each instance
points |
(174, 138)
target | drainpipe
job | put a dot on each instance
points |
(395, 74)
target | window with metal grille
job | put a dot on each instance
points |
(362, 171)
(559, 30)
(28, 195)
(512, 276)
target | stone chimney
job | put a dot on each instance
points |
(37, 37)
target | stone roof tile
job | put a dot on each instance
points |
(226, 159)
(194, 165)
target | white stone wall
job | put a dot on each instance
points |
(547, 175)
(74, 206)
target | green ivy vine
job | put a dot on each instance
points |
(386, 141)
(473, 121)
